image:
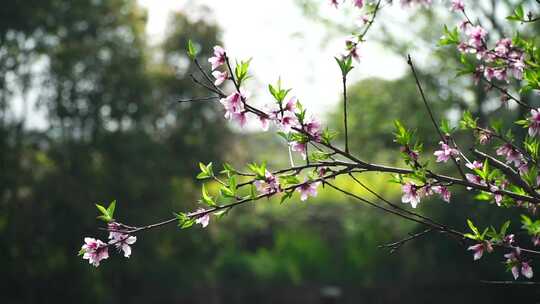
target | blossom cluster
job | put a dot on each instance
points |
(287, 116)
(515, 261)
(497, 63)
(413, 194)
(517, 264)
(95, 250)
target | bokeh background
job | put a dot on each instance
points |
(88, 114)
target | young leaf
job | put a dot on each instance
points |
(192, 53)
(207, 199)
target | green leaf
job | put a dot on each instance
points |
(483, 196)
(328, 135)
(470, 236)
(467, 121)
(318, 156)
(286, 180)
(241, 71)
(102, 209)
(184, 221)
(233, 184)
(449, 36)
(222, 213)
(345, 65)
(192, 53)
(111, 208)
(518, 15)
(278, 92)
(286, 196)
(106, 216)
(206, 171)
(260, 171)
(207, 199)
(504, 228)
(226, 192)
(473, 228)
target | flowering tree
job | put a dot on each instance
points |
(507, 177)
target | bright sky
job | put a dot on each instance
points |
(283, 43)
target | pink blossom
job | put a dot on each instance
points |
(364, 19)
(412, 154)
(526, 270)
(476, 37)
(270, 184)
(334, 3)
(517, 64)
(203, 219)
(479, 249)
(536, 240)
(446, 153)
(410, 194)
(534, 122)
(220, 77)
(503, 47)
(515, 272)
(358, 3)
(508, 239)
(219, 57)
(464, 24)
(354, 52)
(119, 239)
(115, 230)
(475, 165)
(287, 121)
(504, 149)
(265, 124)
(232, 104)
(515, 157)
(511, 155)
(498, 197)
(489, 73)
(240, 118)
(458, 5)
(124, 244)
(501, 74)
(299, 147)
(351, 48)
(308, 189)
(94, 251)
(513, 260)
(234, 107)
(291, 104)
(443, 192)
(475, 179)
(523, 167)
(313, 128)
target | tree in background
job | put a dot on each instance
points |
(113, 131)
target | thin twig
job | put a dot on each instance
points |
(396, 245)
(209, 98)
(431, 116)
